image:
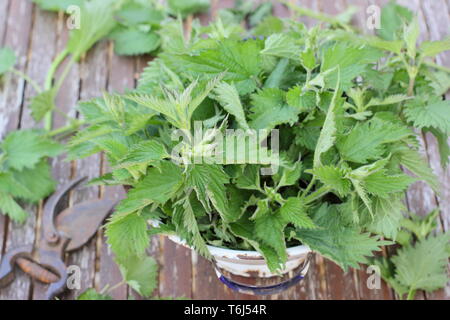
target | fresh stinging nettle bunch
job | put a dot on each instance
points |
(345, 108)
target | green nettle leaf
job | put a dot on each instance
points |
(228, 97)
(29, 184)
(144, 152)
(269, 229)
(96, 21)
(367, 140)
(157, 104)
(184, 218)
(350, 60)
(141, 274)
(159, 185)
(7, 60)
(305, 101)
(91, 294)
(131, 42)
(209, 183)
(245, 229)
(177, 107)
(186, 7)
(134, 13)
(424, 265)
(240, 61)
(250, 178)
(58, 5)
(41, 104)
(393, 17)
(268, 26)
(270, 109)
(25, 148)
(435, 114)
(335, 178)
(387, 100)
(362, 194)
(290, 175)
(387, 216)
(278, 75)
(414, 162)
(411, 35)
(308, 59)
(281, 46)
(127, 235)
(433, 48)
(10, 207)
(294, 211)
(382, 184)
(327, 135)
(395, 46)
(345, 245)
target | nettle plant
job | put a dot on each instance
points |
(348, 111)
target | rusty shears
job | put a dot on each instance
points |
(61, 232)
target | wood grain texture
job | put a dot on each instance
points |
(65, 102)
(4, 6)
(17, 37)
(19, 22)
(42, 50)
(4, 10)
(436, 18)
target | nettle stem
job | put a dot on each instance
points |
(24, 76)
(48, 119)
(308, 188)
(68, 129)
(411, 294)
(317, 194)
(412, 82)
(55, 64)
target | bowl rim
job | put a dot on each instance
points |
(239, 254)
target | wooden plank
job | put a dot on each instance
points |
(4, 9)
(280, 10)
(65, 102)
(17, 37)
(121, 77)
(42, 50)
(437, 16)
(94, 75)
(175, 271)
(19, 21)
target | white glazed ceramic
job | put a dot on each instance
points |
(252, 263)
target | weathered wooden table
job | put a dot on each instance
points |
(38, 36)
